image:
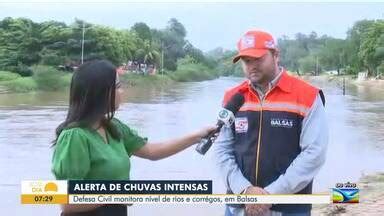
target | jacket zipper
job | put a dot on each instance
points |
(259, 141)
(260, 128)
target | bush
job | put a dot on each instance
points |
(22, 84)
(350, 70)
(237, 70)
(7, 76)
(51, 59)
(193, 72)
(130, 79)
(380, 69)
(66, 79)
(21, 69)
(307, 64)
(49, 79)
(227, 68)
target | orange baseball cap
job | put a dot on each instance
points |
(254, 44)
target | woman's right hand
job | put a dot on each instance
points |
(204, 132)
(156, 151)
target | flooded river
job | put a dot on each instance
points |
(27, 123)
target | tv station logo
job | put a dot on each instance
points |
(345, 193)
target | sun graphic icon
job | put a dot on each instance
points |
(50, 186)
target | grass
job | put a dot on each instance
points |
(44, 78)
(130, 79)
(7, 76)
(193, 72)
(49, 78)
(20, 85)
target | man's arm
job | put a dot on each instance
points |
(225, 158)
(313, 143)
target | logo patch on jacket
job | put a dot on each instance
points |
(282, 122)
(241, 125)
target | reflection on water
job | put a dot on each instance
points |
(28, 122)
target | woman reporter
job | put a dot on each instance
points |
(92, 144)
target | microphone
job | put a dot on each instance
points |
(226, 116)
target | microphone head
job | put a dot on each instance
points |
(235, 103)
(226, 117)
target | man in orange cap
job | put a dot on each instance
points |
(278, 142)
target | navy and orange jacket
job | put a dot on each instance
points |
(267, 132)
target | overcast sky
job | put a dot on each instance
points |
(208, 25)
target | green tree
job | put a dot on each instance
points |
(142, 30)
(308, 64)
(354, 40)
(171, 41)
(372, 47)
(148, 54)
(332, 56)
(20, 42)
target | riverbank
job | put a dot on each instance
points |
(44, 78)
(372, 84)
(132, 80)
(369, 84)
(14, 83)
(367, 96)
(371, 199)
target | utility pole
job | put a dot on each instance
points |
(82, 45)
(162, 58)
(317, 66)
